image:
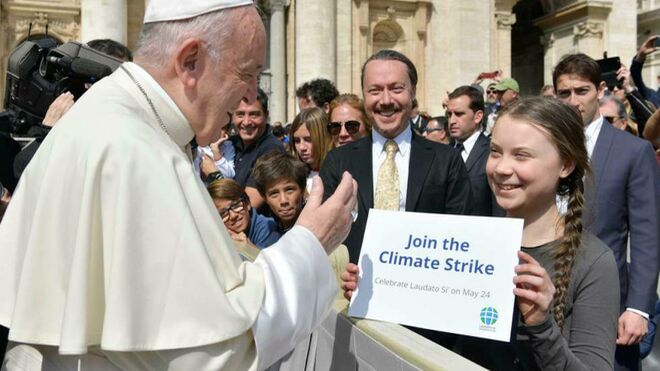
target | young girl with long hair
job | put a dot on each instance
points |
(566, 285)
(310, 141)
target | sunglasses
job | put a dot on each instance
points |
(612, 119)
(431, 130)
(351, 126)
(236, 206)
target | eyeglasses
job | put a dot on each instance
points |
(612, 119)
(491, 91)
(351, 126)
(430, 130)
(236, 206)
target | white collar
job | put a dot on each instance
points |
(402, 140)
(470, 141)
(593, 127)
(591, 132)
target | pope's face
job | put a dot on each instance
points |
(225, 83)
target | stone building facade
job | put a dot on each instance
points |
(450, 41)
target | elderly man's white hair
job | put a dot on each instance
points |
(158, 41)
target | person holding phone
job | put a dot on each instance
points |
(566, 284)
(647, 48)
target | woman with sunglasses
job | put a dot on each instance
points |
(310, 141)
(348, 121)
(241, 220)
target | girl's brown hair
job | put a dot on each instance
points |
(316, 120)
(563, 124)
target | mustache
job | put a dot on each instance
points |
(388, 107)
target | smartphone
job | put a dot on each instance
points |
(656, 42)
(608, 69)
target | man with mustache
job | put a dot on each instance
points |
(381, 162)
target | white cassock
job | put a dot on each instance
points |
(112, 254)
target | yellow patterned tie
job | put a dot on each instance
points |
(387, 186)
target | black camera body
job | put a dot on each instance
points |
(39, 70)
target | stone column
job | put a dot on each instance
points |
(316, 46)
(344, 45)
(550, 58)
(277, 105)
(504, 21)
(103, 19)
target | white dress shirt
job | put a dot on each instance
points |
(469, 144)
(591, 132)
(402, 160)
(225, 164)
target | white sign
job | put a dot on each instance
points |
(448, 273)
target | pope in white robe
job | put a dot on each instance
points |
(112, 255)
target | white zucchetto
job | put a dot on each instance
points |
(174, 10)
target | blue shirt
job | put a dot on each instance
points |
(263, 231)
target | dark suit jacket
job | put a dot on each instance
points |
(622, 198)
(483, 200)
(437, 181)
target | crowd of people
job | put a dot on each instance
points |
(576, 163)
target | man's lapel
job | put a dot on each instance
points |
(421, 155)
(602, 149)
(480, 146)
(361, 163)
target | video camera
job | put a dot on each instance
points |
(39, 71)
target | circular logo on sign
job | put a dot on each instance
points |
(488, 316)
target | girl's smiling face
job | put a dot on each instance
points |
(524, 167)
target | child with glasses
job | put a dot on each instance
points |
(242, 221)
(348, 121)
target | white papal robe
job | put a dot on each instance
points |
(112, 254)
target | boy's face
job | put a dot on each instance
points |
(582, 94)
(284, 198)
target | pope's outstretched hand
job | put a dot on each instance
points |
(330, 221)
